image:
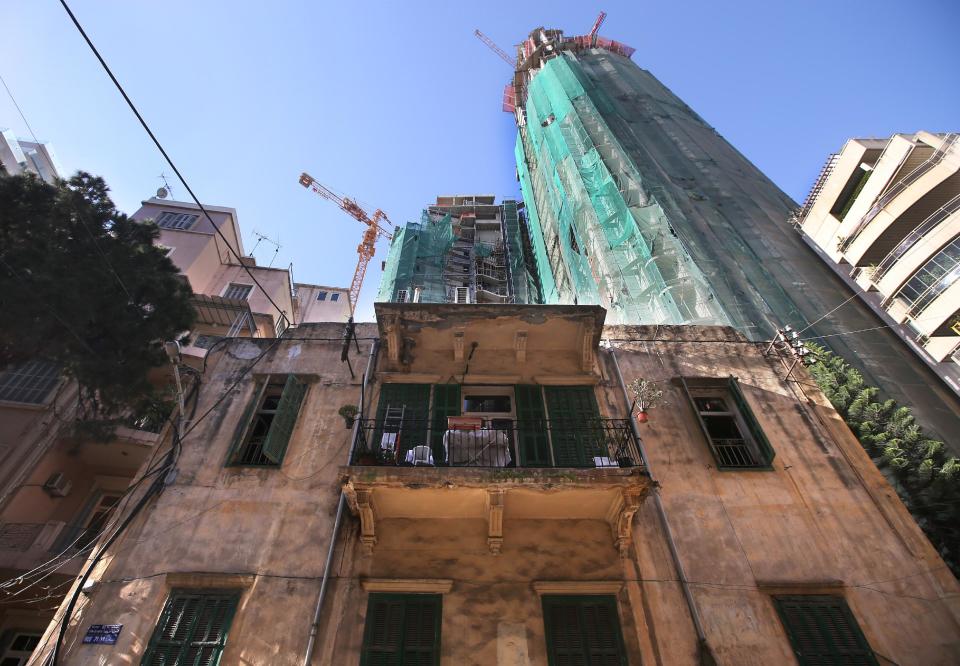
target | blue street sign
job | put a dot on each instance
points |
(103, 634)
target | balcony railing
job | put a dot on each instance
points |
(592, 443)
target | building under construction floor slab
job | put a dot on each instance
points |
(465, 249)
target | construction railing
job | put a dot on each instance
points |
(592, 443)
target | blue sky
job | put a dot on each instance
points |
(395, 103)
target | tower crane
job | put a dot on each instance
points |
(493, 47)
(367, 247)
(596, 27)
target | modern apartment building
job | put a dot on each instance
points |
(58, 490)
(885, 214)
(465, 249)
(494, 503)
(21, 156)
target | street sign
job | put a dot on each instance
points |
(103, 634)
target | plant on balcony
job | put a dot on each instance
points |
(923, 474)
(86, 289)
(349, 414)
(646, 394)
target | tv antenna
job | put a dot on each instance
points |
(263, 237)
(165, 190)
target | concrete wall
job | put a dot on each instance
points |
(823, 520)
(311, 311)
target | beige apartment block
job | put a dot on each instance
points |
(496, 503)
(885, 214)
(22, 156)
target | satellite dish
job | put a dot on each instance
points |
(162, 193)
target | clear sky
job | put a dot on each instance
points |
(395, 103)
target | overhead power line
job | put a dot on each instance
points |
(169, 161)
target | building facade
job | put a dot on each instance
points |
(58, 489)
(636, 204)
(494, 503)
(885, 214)
(21, 156)
(465, 249)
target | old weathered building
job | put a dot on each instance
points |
(496, 503)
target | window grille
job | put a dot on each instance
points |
(178, 221)
(238, 291)
(29, 382)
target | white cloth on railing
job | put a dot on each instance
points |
(477, 448)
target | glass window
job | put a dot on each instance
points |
(238, 291)
(179, 221)
(321, 295)
(487, 403)
(334, 296)
(934, 277)
(265, 432)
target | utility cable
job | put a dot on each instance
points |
(822, 317)
(169, 161)
(20, 111)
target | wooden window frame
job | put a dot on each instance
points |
(275, 443)
(728, 389)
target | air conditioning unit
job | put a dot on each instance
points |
(58, 485)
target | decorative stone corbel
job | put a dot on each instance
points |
(391, 329)
(620, 516)
(360, 501)
(520, 346)
(495, 520)
(458, 346)
(586, 347)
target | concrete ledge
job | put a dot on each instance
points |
(443, 477)
(410, 585)
(195, 579)
(542, 587)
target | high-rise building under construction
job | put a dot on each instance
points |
(635, 203)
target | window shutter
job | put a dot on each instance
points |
(574, 416)
(446, 402)
(243, 425)
(532, 441)
(822, 630)
(583, 630)
(192, 629)
(766, 451)
(275, 443)
(402, 630)
(416, 398)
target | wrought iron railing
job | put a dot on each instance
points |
(915, 236)
(733, 452)
(564, 443)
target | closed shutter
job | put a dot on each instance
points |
(192, 630)
(402, 630)
(583, 631)
(416, 399)
(763, 444)
(243, 426)
(275, 444)
(446, 402)
(532, 440)
(823, 631)
(575, 425)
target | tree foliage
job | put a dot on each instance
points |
(924, 475)
(83, 286)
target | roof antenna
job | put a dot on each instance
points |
(165, 191)
(263, 237)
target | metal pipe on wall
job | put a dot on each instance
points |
(705, 652)
(311, 641)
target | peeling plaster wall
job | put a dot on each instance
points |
(823, 517)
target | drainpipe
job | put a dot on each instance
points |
(705, 653)
(311, 641)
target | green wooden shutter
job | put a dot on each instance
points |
(243, 426)
(763, 444)
(583, 631)
(416, 399)
(192, 629)
(574, 425)
(446, 402)
(823, 631)
(533, 443)
(275, 443)
(402, 630)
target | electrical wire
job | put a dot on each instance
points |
(20, 111)
(822, 317)
(169, 161)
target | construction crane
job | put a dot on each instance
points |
(367, 247)
(493, 47)
(596, 27)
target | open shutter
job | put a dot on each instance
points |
(575, 425)
(532, 441)
(763, 444)
(822, 630)
(275, 443)
(243, 426)
(446, 402)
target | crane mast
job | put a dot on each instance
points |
(367, 247)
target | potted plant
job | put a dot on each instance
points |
(646, 394)
(349, 414)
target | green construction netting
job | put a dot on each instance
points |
(599, 237)
(416, 259)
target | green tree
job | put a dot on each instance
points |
(83, 286)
